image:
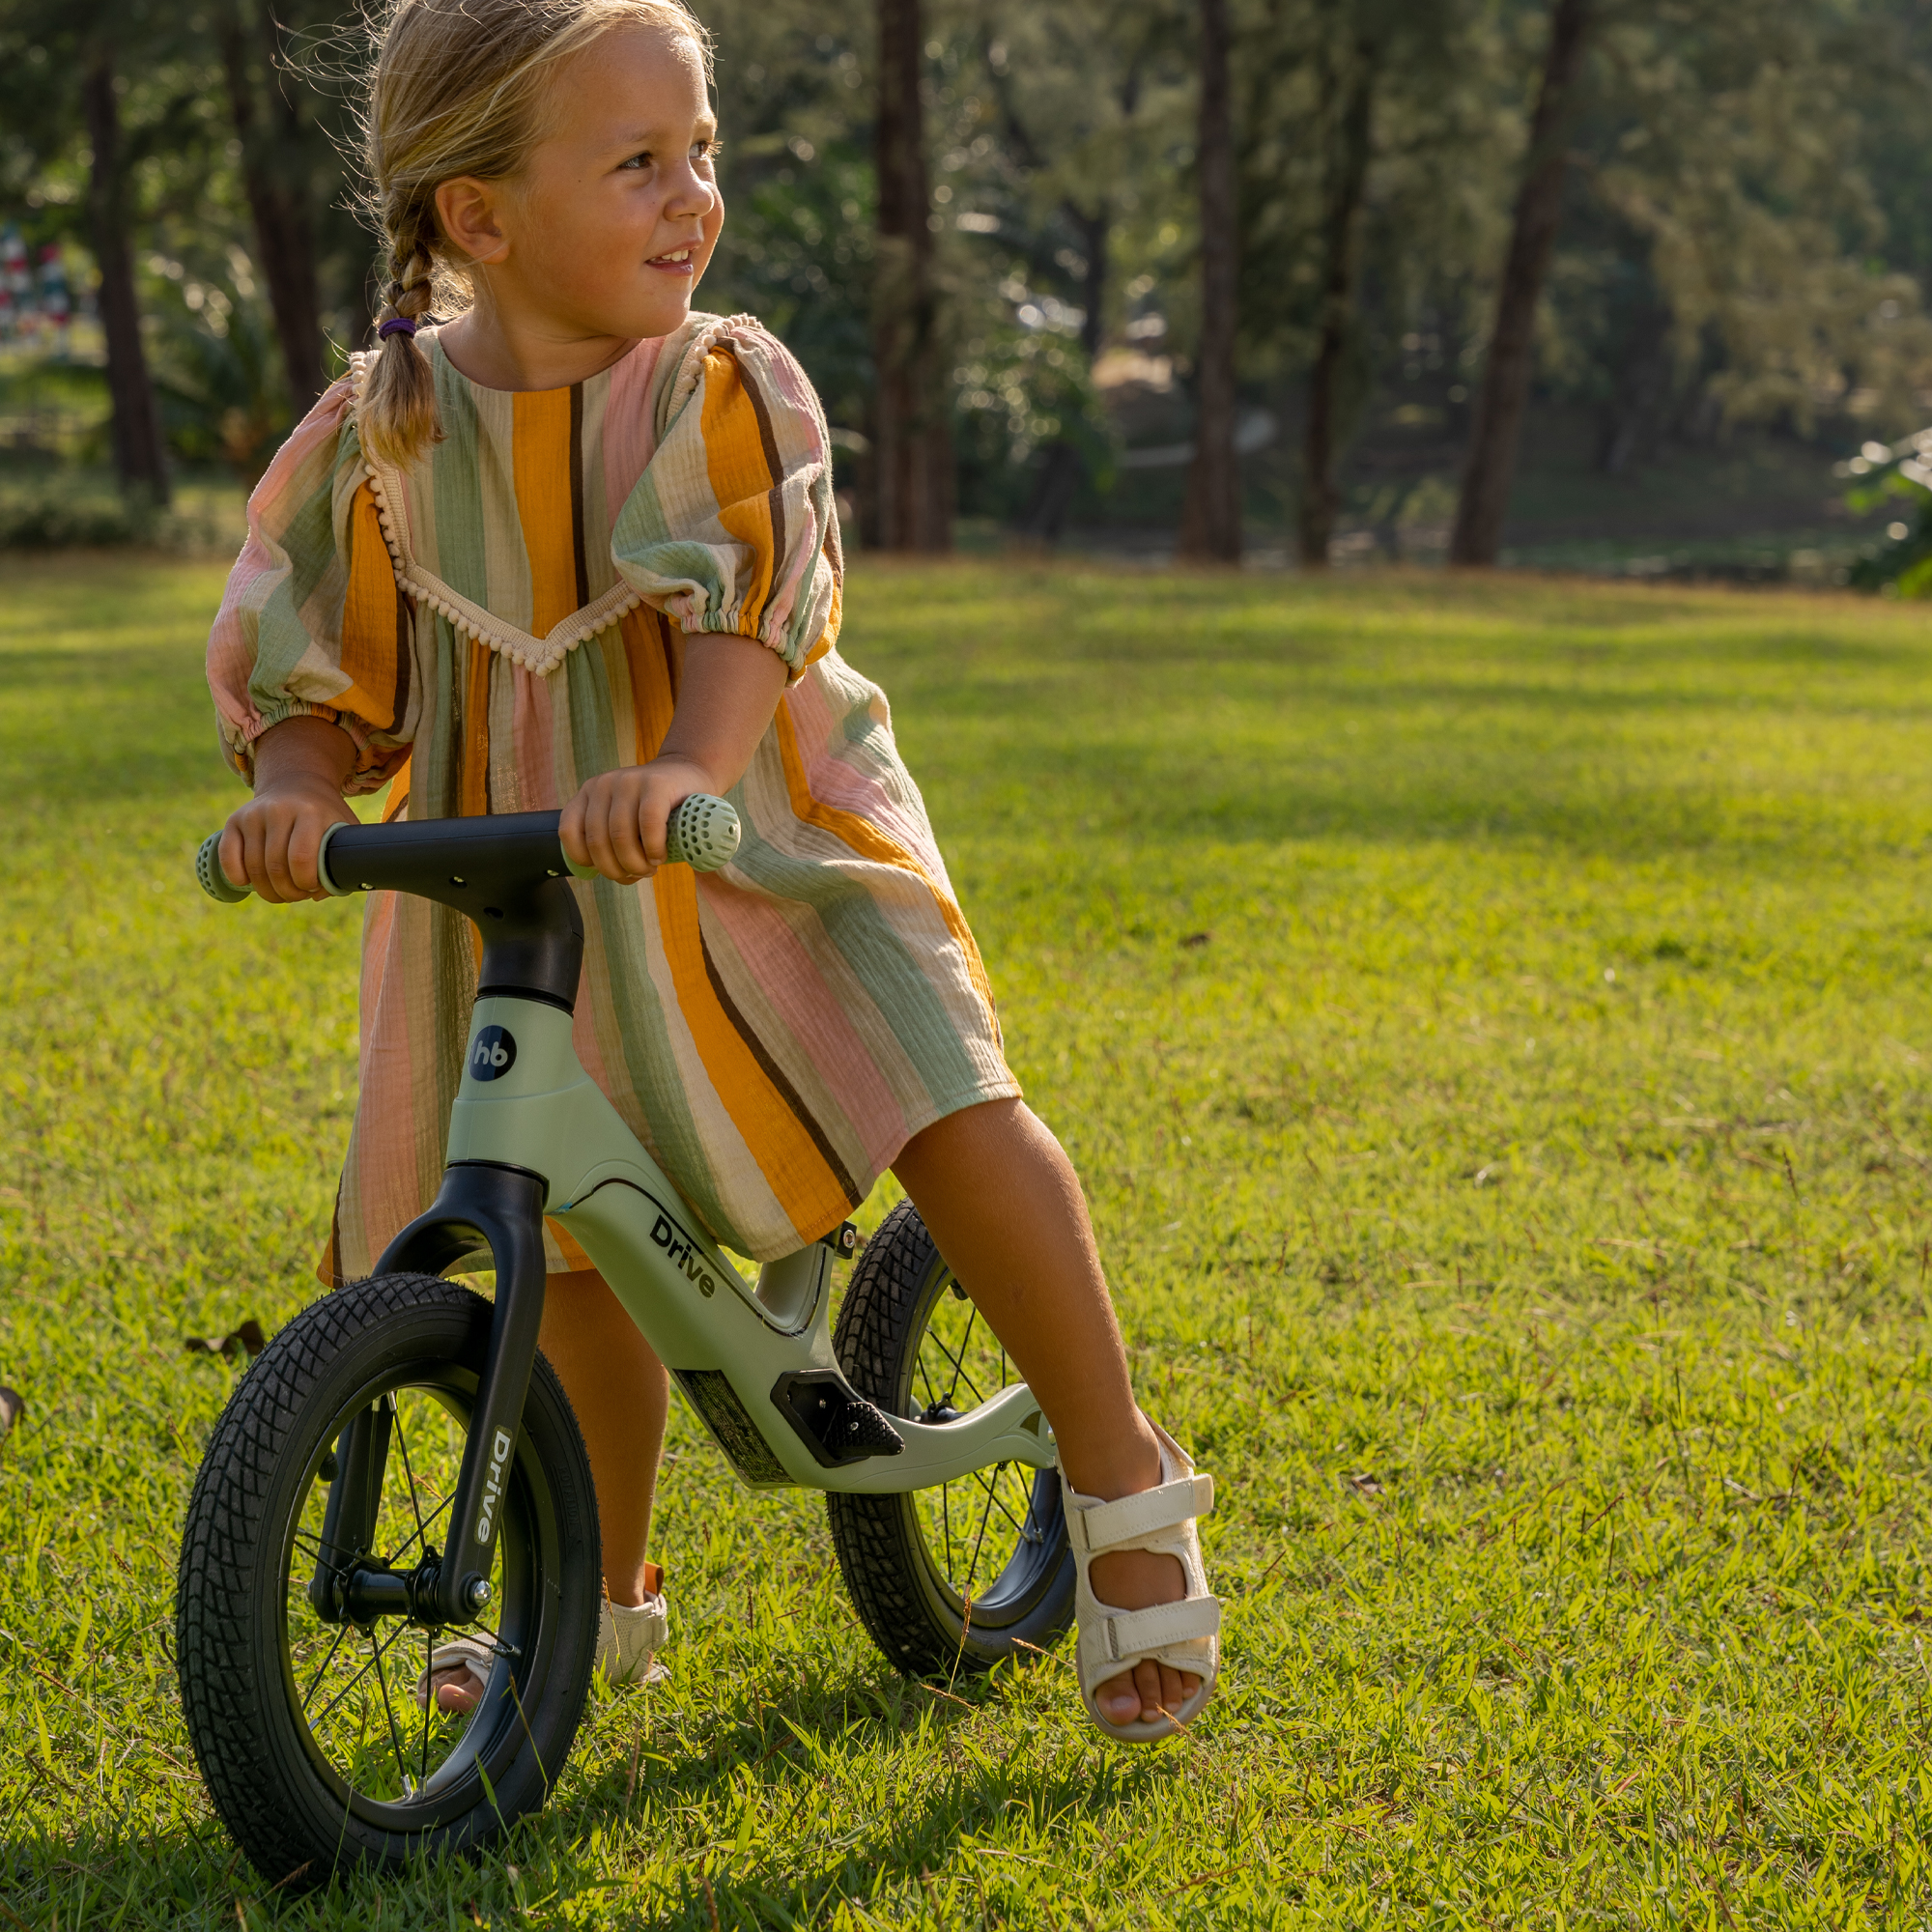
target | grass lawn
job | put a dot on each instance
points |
(1492, 1021)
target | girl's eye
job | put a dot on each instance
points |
(643, 160)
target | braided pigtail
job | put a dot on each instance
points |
(397, 418)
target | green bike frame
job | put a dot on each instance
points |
(531, 1136)
(754, 1357)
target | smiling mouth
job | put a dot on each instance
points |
(677, 261)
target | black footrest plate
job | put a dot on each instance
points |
(836, 1423)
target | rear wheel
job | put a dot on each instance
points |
(971, 1572)
(304, 1723)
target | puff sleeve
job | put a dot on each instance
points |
(312, 622)
(732, 525)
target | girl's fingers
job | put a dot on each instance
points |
(275, 859)
(653, 828)
(569, 833)
(234, 855)
(627, 808)
(304, 843)
(604, 823)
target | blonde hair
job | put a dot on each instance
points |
(459, 87)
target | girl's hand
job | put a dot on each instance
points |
(728, 689)
(616, 821)
(274, 843)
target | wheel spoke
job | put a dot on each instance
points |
(992, 1493)
(402, 1631)
(389, 1711)
(318, 1548)
(959, 1372)
(428, 1703)
(326, 1663)
(959, 1360)
(978, 1540)
(421, 1532)
(409, 1474)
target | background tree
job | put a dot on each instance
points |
(138, 455)
(1210, 518)
(1497, 434)
(981, 225)
(912, 450)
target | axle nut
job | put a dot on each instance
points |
(478, 1593)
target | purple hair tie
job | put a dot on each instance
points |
(406, 324)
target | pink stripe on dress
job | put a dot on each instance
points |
(630, 439)
(790, 979)
(836, 782)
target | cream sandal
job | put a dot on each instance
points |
(1183, 1634)
(629, 1637)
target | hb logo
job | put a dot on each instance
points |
(493, 1051)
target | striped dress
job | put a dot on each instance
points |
(506, 620)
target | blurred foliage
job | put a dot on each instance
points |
(1745, 240)
(1897, 476)
(224, 398)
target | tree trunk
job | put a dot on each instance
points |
(1210, 518)
(1494, 443)
(912, 453)
(273, 172)
(139, 457)
(1341, 254)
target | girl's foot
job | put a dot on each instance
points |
(629, 1637)
(1138, 1552)
(1137, 1580)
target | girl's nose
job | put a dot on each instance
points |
(692, 194)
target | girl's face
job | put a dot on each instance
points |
(613, 219)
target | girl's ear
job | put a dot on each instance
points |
(470, 211)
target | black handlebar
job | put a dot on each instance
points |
(506, 872)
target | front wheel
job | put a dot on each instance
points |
(964, 1574)
(304, 1721)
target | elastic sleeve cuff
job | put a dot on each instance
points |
(374, 764)
(720, 624)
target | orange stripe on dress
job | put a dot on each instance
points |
(653, 696)
(778, 1141)
(472, 785)
(540, 464)
(740, 477)
(576, 1261)
(870, 843)
(369, 639)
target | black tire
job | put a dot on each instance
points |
(301, 1788)
(909, 1572)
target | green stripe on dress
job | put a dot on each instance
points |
(456, 482)
(613, 913)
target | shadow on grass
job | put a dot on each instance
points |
(194, 1870)
(865, 1713)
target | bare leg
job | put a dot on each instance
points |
(621, 1394)
(999, 1196)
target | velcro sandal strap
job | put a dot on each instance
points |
(1141, 1632)
(1122, 1524)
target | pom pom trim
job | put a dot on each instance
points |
(540, 656)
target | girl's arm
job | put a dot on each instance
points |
(728, 691)
(273, 842)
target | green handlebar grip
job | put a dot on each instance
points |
(704, 833)
(215, 882)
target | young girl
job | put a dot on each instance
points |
(575, 549)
